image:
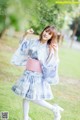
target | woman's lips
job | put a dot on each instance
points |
(45, 36)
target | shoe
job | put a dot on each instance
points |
(57, 111)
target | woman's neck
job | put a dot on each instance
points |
(43, 41)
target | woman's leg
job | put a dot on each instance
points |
(55, 108)
(43, 103)
(25, 109)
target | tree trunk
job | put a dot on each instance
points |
(2, 32)
(74, 33)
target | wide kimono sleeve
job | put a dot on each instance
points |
(50, 69)
(20, 56)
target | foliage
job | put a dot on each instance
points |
(78, 38)
(47, 15)
(76, 21)
(36, 14)
(3, 7)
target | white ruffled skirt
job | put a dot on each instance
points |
(31, 86)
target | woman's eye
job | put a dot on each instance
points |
(46, 31)
(49, 33)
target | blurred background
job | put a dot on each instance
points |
(16, 17)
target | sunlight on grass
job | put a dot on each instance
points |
(69, 63)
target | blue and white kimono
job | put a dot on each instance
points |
(33, 85)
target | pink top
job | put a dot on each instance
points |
(33, 65)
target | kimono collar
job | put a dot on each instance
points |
(43, 44)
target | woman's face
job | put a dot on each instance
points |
(46, 35)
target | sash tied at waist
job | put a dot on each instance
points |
(33, 65)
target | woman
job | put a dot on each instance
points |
(40, 58)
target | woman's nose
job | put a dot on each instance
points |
(46, 34)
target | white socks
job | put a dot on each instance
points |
(44, 104)
(57, 112)
(55, 108)
(25, 109)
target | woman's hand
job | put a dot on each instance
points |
(30, 31)
(53, 46)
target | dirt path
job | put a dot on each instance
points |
(70, 81)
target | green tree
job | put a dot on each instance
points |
(75, 26)
(3, 13)
(47, 15)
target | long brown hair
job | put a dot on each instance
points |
(55, 36)
(55, 39)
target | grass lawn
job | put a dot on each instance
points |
(66, 93)
(69, 63)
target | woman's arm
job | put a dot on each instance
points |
(29, 31)
(20, 56)
(50, 68)
(53, 55)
